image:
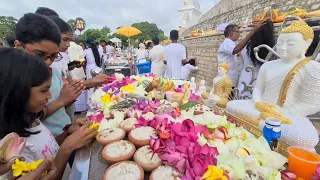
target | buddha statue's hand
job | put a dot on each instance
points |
(264, 107)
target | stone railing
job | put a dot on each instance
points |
(243, 11)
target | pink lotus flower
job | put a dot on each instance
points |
(199, 160)
(98, 118)
(157, 145)
(316, 175)
(164, 129)
(134, 113)
(12, 145)
(288, 175)
(143, 122)
(154, 104)
(221, 133)
(194, 98)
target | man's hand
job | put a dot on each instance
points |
(70, 92)
(100, 79)
(257, 26)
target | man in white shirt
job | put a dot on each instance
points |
(156, 57)
(175, 56)
(228, 49)
(109, 48)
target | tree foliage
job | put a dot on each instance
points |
(97, 34)
(73, 24)
(7, 25)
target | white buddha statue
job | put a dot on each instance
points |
(287, 89)
(222, 86)
(202, 87)
(193, 85)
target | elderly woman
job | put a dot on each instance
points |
(142, 53)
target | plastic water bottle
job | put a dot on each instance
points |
(272, 132)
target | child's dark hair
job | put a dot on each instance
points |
(19, 72)
(46, 11)
(33, 28)
(10, 40)
(192, 62)
(62, 25)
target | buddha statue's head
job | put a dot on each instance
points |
(294, 41)
(223, 69)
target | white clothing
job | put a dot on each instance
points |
(156, 57)
(186, 69)
(141, 53)
(174, 54)
(246, 76)
(40, 146)
(109, 49)
(62, 65)
(100, 49)
(225, 55)
(76, 53)
(91, 64)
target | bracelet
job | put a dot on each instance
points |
(65, 129)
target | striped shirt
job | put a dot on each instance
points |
(57, 121)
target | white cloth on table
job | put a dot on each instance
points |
(246, 76)
(174, 54)
(225, 55)
(156, 58)
(186, 69)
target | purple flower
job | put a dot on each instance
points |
(142, 105)
(106, 88)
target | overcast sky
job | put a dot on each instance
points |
(111, 13)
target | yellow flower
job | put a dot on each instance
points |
(106, 99)
(138, 79)
(94, 125)
(129, 88)
(21, 168)
(214, 173)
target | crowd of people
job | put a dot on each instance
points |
(38, 92)
(168, 61)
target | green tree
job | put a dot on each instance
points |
(149, 30)
(73, 24)
(97, 34)
(7, 25)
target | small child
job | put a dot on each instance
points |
(25, 81)
(187, 68)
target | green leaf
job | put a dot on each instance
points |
(188, 105)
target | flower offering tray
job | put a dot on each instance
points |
(89, 164)
(282, 146)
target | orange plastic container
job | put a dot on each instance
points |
(302, 162)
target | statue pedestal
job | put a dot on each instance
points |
(282, 146)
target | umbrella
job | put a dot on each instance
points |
(128, 31)
(147, 41)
